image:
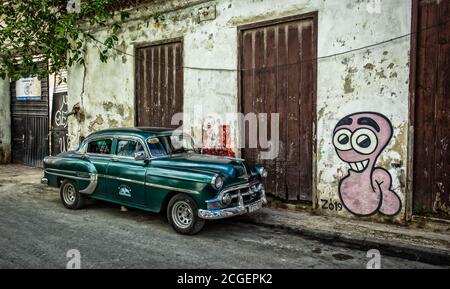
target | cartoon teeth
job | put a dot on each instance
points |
(359, 166)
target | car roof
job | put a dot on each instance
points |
(139, 131)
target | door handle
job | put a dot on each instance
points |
(114, 159)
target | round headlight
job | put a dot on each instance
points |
(264, 173)
(217, 182)
(226, 199)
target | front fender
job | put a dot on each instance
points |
(196, 183)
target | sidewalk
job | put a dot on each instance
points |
(422, 240)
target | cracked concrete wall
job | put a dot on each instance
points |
(5, 122)
(371, 79)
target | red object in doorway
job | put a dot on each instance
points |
(225, 144)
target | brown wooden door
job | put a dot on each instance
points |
(278, 75)
(159, 83)
(432, 108)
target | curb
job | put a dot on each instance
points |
(393, 248)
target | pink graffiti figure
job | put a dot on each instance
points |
(359, 139)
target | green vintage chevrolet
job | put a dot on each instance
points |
(156, 170)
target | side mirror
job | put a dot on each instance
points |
(140, 156)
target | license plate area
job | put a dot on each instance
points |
(254, 207)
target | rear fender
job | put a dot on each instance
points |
(74, 167)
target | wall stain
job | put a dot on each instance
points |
(112, 123)
(348, 80)
(108, 105)
(348, 87)
(381, 74)
(369, 66)
(98, 121)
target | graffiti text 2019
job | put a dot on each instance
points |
(331, 205)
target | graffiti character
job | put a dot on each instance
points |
(359, 139)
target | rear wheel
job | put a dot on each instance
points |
(70, 195)
(182, 213)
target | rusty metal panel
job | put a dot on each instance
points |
(29, 127)
(278, 75)
(159, 83)
(432, 106)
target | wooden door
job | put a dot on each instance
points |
(431, 59)
(278, 75)
(159, 83)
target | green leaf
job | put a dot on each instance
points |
(46, 28)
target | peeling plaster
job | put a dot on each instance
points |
(364, 80)
(96, 123)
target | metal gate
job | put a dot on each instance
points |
(59, 123)
(159, 83)
(29, 126)
(278, 75)
(431, 116)
(59, 130)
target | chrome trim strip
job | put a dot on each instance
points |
(240, 209)
(121, 179)
(172, 188)
(151, 184)
(96, 176)
(90, 189)
(239, 187)
(176, 178)
(148, 184)
(68, 176)
(93, 180)
(239, 193)
(65, 171)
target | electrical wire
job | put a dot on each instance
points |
(293, 63)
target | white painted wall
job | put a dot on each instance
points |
(374, 79)
(5, 122)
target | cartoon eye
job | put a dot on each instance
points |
(341, 140)
(364, 141)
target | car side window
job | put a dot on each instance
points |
(157, 148)
(100, 147)
(127, 148)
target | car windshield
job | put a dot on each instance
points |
(161, 146)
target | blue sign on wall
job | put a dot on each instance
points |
(28, 88)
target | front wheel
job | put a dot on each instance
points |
(70, 195)
(182, 213)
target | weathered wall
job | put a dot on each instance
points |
(369, 79)
(5, 122)
(373, 79)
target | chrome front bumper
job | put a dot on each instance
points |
(240, 209)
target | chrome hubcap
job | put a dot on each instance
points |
(69, 194)
(182, 214)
